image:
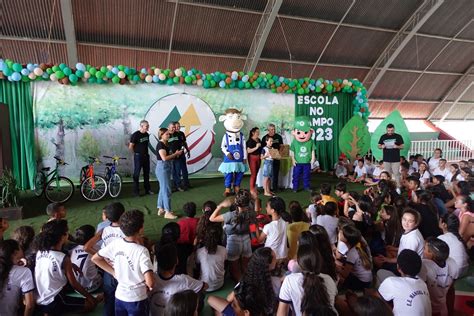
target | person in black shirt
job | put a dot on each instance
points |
(182, 158)
(277, 142)
(141, 159)
(175, 143)
(164, 158)
(391, 143)
(254, 147)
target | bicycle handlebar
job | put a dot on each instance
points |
(115, 157)
(60, 161)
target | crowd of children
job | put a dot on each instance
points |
(410, 243)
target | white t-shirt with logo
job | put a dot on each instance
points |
(212, 267)
(110, 233)
(291, 291)
(18, 283)
(276, 237)
(90, 278)
(330, 224)
(165, 288)
(131, 262)
(410, 296)
(50, 276)
(413, 241)
(457, 251)
(439, 280)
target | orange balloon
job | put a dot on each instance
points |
(181, 80)
(171, 75)
(142, 76)
(280, 89)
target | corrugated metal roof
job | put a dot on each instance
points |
(409, 110)
(394, 84)
(419, 52)
(457, 57)
(451, 16)
(208, 30)
(32, 19)
(40, 52)
(306, 40)
(207, 64)
(432, 87)
(356, 47)
(332, 10)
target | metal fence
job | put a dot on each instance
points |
(453, 150)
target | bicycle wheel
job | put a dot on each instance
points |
(115, 185)
(94, 188)
(107, 174)
(40, 181)
(59, 189)
(83, 174)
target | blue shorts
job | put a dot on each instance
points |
(268, 168)
(131, 308)
(238, 246)
(228, 311)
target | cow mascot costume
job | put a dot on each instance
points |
(233, 146)
(302, 153)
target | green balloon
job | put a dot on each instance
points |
(121, 67)
(241, 85)
(17, 67)
(247, 85)
(136, 78)
(99, 75)
(92, 71)
(103, 69)
(329, 87)
(8, 72)
(115, 79)
(79, 73)
(255, 84)
(169, 81)
(109, 74)
(166, 72)
(213, 83)
(300, 91)
(291, 84)
(56, 68)
(318, 89)
(176, 79)
(62, 66)
(73, 78)
(25, 79)
(67, 71)
(59, 74)
(208, 77)
(188, 79)
(92, 80)
(278, 83)
(206, 84)
(128, 71)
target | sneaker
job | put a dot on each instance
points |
(161, 212)
(170, 215)
(180, 189)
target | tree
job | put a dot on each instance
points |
(354, 138)
(88, 146)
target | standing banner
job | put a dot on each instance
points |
(328, 114)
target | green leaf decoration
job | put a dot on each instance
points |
(400, 128)
(354, 137)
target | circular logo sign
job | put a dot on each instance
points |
(197, 123)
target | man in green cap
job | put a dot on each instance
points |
(302, 152)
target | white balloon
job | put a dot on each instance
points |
(162, 76)
(121, 74)
(199, 82)
(178, 72)
(157, 71)
(149, 79)
(110, 67)
(38, 71)
(53, 77)
(32, 76)
(87, 75)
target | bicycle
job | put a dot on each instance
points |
(56, 188)
(114, 180)
(93, 186)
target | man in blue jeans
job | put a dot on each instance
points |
(141, 159)
(182, 158)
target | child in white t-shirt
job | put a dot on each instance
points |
(267, 166)
(18, 283)
(89, 276)
(274, 233)
(449, 224)
(409, 294)
(360, 172)
(312, 210)
(329, 221)
(211, 258)
(132, 266)
(439, 272)
(375, 174)
(167, 282)
(369, 166)
(356, 272)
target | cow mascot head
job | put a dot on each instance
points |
(234, 164)
(302, 152)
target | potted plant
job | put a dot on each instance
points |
(9, 207)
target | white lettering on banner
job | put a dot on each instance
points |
(316, 111)
(321, 121)
(320, 99)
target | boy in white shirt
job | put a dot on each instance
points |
(409, 294)
(329, 221)
(167, 282)
(369, 166)
(439, 272)
(274, 233)
(360, 172)
(132, 266)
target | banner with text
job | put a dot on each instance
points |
(328, 114)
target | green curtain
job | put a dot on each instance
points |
(17, 95)
(327, 152)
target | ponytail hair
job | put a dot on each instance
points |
(314, 289)
(7, 249)
(354, 239)
(51, 234)
(452, 224)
